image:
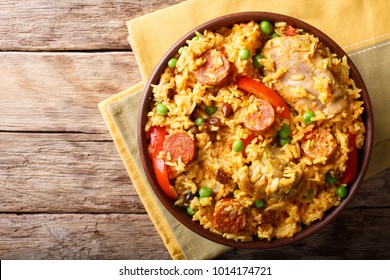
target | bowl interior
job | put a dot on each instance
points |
(179, 213)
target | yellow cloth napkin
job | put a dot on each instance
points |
(360, 27)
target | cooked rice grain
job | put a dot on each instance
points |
(291, 183)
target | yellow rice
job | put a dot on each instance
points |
(280, 171)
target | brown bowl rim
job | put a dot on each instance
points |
(180, 214)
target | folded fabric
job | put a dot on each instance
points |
(358, 26)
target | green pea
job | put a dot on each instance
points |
(161, 109)
(211, 110)
(205, 192)
(330, 179)
(284, 131)
(199, 121)
(195, 38)
(237, 146)
(341, 192)
(307, 117)
(256, 61)
(259, 203)
(180, 51)
(244, 54)
(284, 141)
(190, 211)
(172, 62)
(266, 27)
(274, 35)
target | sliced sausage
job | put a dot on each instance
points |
(319, 143)
(216, 71)
(229, 216)
(180, 145)
(261, 120)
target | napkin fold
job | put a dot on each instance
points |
(360, 27)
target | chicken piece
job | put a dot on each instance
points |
(269, 177)
(307, 82)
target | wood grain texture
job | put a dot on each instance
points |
(64, 173)
(37, 25)
(64, 192)
(70, 236)
(47, 91)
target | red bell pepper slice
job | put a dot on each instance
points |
(352, 161)
(290, 31)
(262, 91)
(157, 137)
(248, 140)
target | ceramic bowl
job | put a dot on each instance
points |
(180, 213)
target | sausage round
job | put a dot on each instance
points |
(229, 216)
(180, 145)
(261, 120)
(320, 143)
(216, 71)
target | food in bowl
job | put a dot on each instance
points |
(254, 129)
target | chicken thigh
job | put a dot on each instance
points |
(303, 79)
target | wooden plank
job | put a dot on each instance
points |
(61, 91)
(374, 192)
(76, 236)
(355, 234)
(70, 25)
(63, 173)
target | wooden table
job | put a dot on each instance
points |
(64, 192)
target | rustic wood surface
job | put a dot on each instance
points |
(64, 192)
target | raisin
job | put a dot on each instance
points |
(221, 176)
